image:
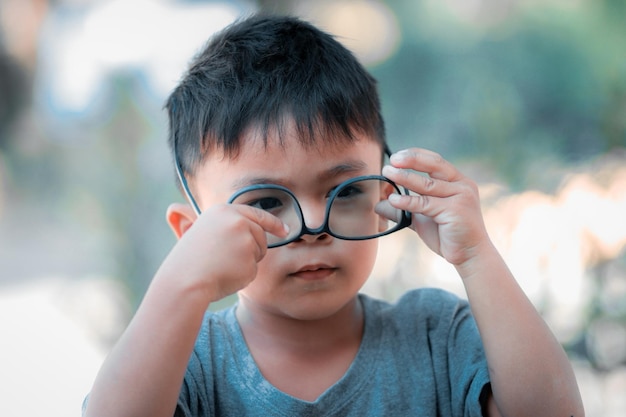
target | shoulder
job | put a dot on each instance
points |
(217, 336)
(428, 338)
(424, 301)
(213, 353)
(220, 325)
(431, 298)
(424, 311)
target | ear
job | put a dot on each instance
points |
(180, 217)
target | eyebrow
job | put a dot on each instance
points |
(346, 167)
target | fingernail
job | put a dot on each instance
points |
(388, 169)
(394, 198)
(399, 156)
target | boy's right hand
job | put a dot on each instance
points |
(218, 252)
(216, 255)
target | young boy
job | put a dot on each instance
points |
(269, 128)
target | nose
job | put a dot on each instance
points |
(318, 237)
(314, 217)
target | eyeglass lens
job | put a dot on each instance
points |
(352, 211)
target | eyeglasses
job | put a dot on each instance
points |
(350, 208)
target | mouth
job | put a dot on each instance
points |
(314, 272)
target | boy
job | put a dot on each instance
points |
(269, 128)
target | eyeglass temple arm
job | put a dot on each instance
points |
(184, 184)
(387, 150)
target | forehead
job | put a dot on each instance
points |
(285, 160)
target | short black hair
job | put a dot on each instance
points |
(262, 71)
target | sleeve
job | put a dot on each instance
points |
(185, 403)
(190, 401)
(196, 392)
(193, 400)
(468, 369)
(446, 340)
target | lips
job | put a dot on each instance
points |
(313, 272)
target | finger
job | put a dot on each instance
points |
(423, 160)
(419, 183)
(385, 209)
(417, 203)
(238, 222)
(267, 221)
(465, 199)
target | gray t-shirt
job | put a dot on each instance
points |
(421, 356)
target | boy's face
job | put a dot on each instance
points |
(317, 275)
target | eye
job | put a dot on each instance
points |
(349, 191)
(266, 203)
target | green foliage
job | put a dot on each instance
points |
(542, 83)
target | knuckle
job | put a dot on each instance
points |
(239, 223)
(265, 219)
(438, 159)
(259, 215)
(249, 246)
(429, 156)
(428, 183)
(260, 252)
(474, 187)
(470, 186)
(419, 202)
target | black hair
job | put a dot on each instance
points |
(262, 71)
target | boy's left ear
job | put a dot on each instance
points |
(180, 217)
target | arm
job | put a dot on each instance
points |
(143, 374)
(529, 371)
(527, 366)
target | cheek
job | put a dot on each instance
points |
(266, 267)
(269, 262)
(362, 257)
(263, 284)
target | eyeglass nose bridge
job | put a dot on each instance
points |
(324, 228)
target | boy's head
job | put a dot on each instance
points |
(275, 102)
(264, 73)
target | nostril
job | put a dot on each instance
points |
(314, 237)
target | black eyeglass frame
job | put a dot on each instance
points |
(405, 219)
(404, 222)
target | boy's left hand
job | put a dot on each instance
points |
(445, 204)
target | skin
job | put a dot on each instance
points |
(298, 303)
(311, 320)
(529, 371)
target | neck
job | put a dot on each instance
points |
(277, 331)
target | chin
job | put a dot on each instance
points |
(318, 308)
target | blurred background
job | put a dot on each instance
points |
(527, 97)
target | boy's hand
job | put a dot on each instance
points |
(218, 254)
(445, 204)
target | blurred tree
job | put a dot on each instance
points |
(277, 6)
(545, 83)
(13, 95)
